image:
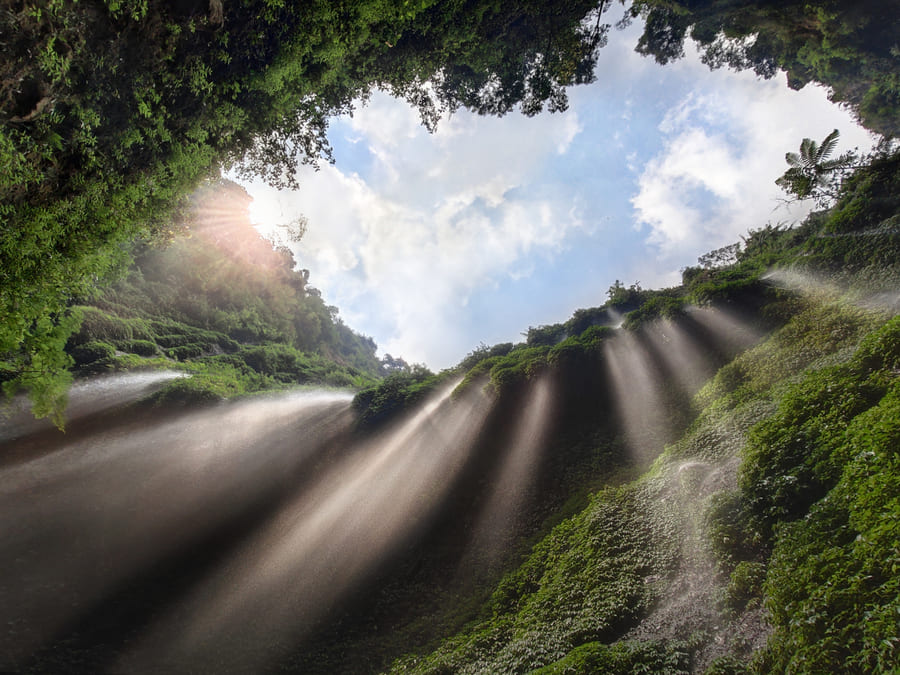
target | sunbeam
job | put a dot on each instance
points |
(85, 518)
(637, 395)
(514, 482)
(884, 296)
(85, 397)
(683, 356)
(318, 548)
(727, 329)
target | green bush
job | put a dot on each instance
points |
(728, 665)
(189, 336)
(727, 530)
(187, 351)
(670, 658)
(99, 325)
(661, 305)
(91, 352)
(140, 347)
(193, 391)
(834, 582)
(394, 395)
(745, 584)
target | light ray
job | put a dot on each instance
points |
(318, 548)
(86, 518)
(637, 395)
(514, 484)
(684, 359)
(727, 328)
(85, 397)
(882, 295)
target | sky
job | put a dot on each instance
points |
(433, 244)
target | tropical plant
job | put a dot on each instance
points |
(812, 175)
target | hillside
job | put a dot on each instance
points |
(747, 527)
(112, 114)
(225, 304)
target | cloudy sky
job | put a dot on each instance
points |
(435, 243)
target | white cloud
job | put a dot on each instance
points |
(723, 147)
(437, 219)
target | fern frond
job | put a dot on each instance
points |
(827, 146)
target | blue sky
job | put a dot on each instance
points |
(435, 243)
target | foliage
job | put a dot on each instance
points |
(581, 583)
(745, 584)
(483, 352)
(110, 117)
(620, 296)
(811, 174)
(720, 257)
(660, 305)
(141, 347)
(728, 531)
(91, 352)
(396, 393)
(810, 528)
(622, 657)
(832, 587)
(222, 300)
(208, 384)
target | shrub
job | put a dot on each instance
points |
(745, 584)
(631, 656)
(727, 531)
(728, 665)
(140, 347)
(658, 307)
(185, 352)
(100, 325)
(191, 390)
(91, 352)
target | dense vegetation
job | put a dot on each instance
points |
(779, 480)
(225, 304)
(849, 46)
